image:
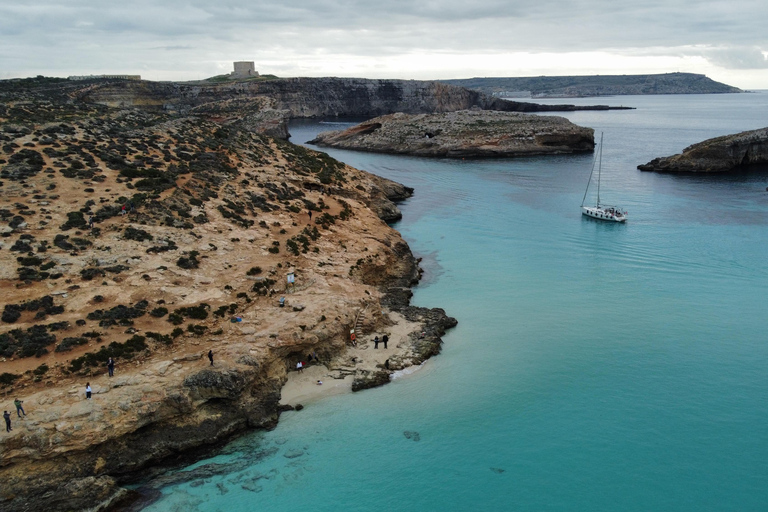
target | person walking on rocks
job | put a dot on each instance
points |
(376, 342)
(111, 367)
(210, 356)
(19, 408)
(384, 340)
(7, 417)
(87, 390)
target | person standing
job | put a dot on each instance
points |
(300, 367)
(7, 417)
(111, 367)
(385, 339)
(376, 342)
(310, 214)
(19, 408)
(87, 390)
(210, 356)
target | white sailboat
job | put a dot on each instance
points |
(601, 211)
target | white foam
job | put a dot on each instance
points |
(406, 371)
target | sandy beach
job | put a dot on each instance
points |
(337, 375)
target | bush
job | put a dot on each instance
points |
(159, 312)
(138, 235)
(189, 261)
(68, 343)
(6, 379)
(199, 312)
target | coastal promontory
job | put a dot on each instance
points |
(201, 255)
(466, 133)
(728, 153)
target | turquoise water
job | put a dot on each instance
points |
(595, 366)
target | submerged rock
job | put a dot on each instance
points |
(721, 154)
(412, 435)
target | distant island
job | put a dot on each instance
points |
(596, 85)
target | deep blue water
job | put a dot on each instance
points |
(595, 366)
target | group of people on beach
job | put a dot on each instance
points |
(384, 340)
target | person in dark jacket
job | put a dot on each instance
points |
(111, 367)
(7, 417)
(210, 356)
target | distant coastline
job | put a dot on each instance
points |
(595, 85)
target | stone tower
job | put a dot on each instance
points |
(244, 69)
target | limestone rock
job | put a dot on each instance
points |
(722, 154)
(466, 133)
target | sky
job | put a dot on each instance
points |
(408, 39)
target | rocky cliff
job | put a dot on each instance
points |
(152, 237)
(466, 133)
(721, 154)
(264, 102)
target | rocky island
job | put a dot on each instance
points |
(156, 237)
(466, 133)
(729, 153)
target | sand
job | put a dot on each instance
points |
(336, 376)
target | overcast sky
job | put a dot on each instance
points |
(189, 40)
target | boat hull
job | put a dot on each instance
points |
(602, 213)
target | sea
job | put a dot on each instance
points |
(595, 367)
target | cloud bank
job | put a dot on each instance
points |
(398, 39)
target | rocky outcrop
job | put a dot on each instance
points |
(466, 133)
(722, 154)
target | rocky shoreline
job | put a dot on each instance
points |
(463, 134)
(729, 153)
(153, 238)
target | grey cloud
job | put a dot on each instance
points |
(51, 36)
(738, 58)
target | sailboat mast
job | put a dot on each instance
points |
(592, 171)
(599, 168)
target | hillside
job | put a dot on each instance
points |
(152, 237)
(597, 85)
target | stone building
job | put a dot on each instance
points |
(244, 69)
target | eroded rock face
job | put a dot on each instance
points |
(270, 103)
(721, 154)
(466, 133)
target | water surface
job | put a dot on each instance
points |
(595, 366)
